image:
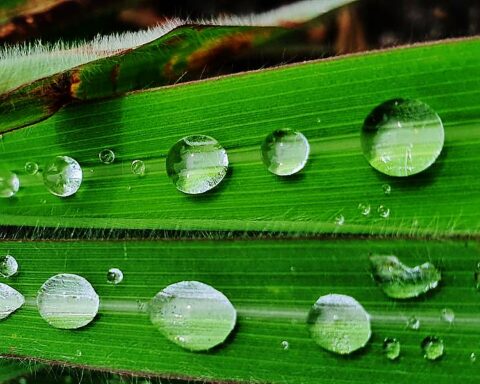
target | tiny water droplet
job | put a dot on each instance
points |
(401, 282)
(285, 345)
(114, 276)
(339, 323)
(473, 357)
(413, 323)
(193, 315)
(402, 137)
(433, 348)
(9, 183)
(107, 156)
(285, 152)
(138, 167)
(340, 220)
(31, 168)
(391, 348)
(447, 315)
(8, 266)
(364, 209)
(62, 176)
(10, 300)
(78, 353)
(476, 276)
(383, 211)
(67, 301)
(197, 164)
(387, 189)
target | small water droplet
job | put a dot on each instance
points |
(433, 348)
(340, 220)
(476, 276)
(8, 266)
(114, 276)
(387, 189)
(473, 357)
(413, 323)
(10, 300)
(107, 156)
(364, 209)
(62, 176)
(78, 353)
(67, 301)
(402, 137)
(138, 167)
(22, 380)
(285, 152)
(31, 168)
(391, 348)
(193, 315)
(383, 211)
(196, 164)
(285, 344)
(447, 315)
(9, 183)
(401, 282)
(338, 323)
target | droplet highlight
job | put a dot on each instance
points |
(391, 348)
(8, 266)
(106, 156)
(114, 276)
(9, 183)
(62, 176)
(31, 168)
(10, 300)
(138, 167)
(433, 348)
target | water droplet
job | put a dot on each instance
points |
(193, 315)
(9, 183)
(391, 348)
(476, 276)
(473, 357)
(364, 209)
(401, 282)
(285, 152)
(10, 300)
(67, 301)
(402, 137)
(383, 211)
(8, 266)
(114, 276)
(138, 167)
(22, 380)
(78, 353)
(433, 348)
(31, 168)
(340, 220)
(413, 323)
(62, 176)
(448, 315)
(387, 189)
(196, 164)
(285, 344)
(339, 324)
(107, 156)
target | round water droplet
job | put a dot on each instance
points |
(383, 211)
(339, 324)
(364, 209)
(67, 301)
(193, 315)
(114, 276)
(62, 176)
(402, 137)
(107, 156)
(8, 266)
(285, 152)
(31, 168)
(433, 348)
(10, 300)
(413, 323)
(387, 189)
(196, 164)
(138, 167)
(9, 183)
(391, 348)
(340, 220)
(473, 357)
(285, 344)
(448, 315)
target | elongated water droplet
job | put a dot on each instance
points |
(193, 315)
(8, 266)
(10, 300)
(383, 211)
(338, 323)
(447, 315)
(285, 152)
(31, 168)
(107, 156)
(114, 276)
(401, 282)
(364, 209)
(285, 344)
(67, 301)
(138, 167)
(433, 348)
(402, 137)
(9, 183)
(62, 176)
(196, 164)
(391, 348)
(413, 323)
(387, 189)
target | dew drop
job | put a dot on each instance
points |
(114, 276)
(285, 344)
(402, 137)
(401, 282)
(31, 168)
(67, 301)
(196, 164)
(285, 152)
(10, 300)
(364, 209)
(387, 189)
(8, 266)
(193, 315)
(339, 323)
(383, 211)
(447, 315)
(9, 183)
(433, 348)
(391, 348)
(62, 176)
(107, 156)
(473, 357)
(413, 323)
(138, 167)
(340, 220)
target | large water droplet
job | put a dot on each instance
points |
(31, 168)
(402, 137)
(114, 276)
(9, 183)
(339, 324)
(391, 348)
(8, 266)
(447, 315)
(413, 323)
(10, 300)
(107, 156)
(401, 282)
(62, 176)
(285, 152)
(196, 164)
(433, 348)
(67, 301)
(193, 315)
